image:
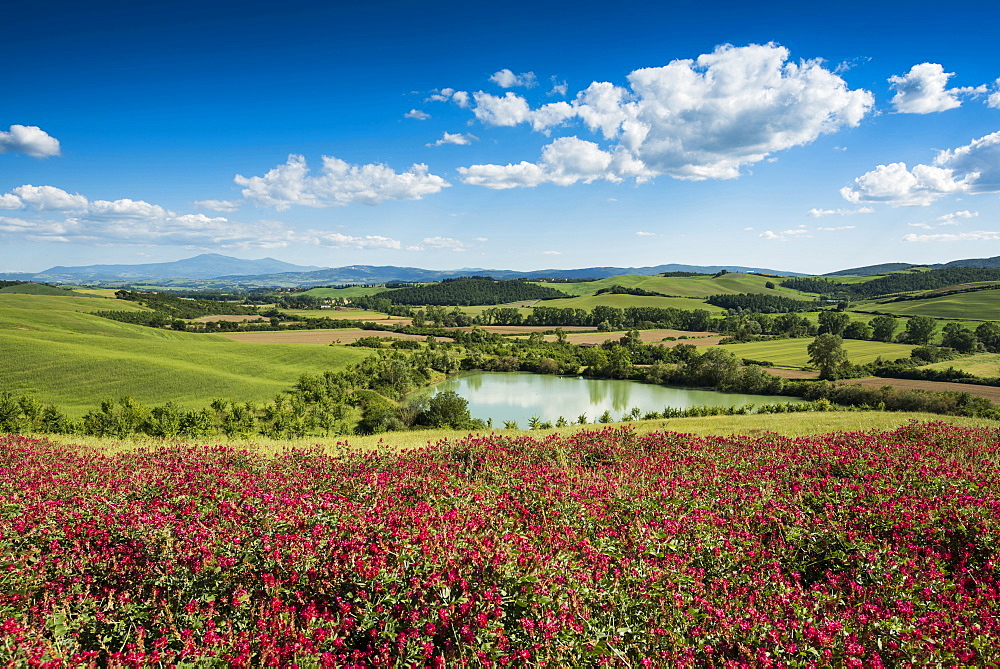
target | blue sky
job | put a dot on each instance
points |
(524, 136)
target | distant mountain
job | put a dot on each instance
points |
(205, 266)
(869, 270)
(389, 273)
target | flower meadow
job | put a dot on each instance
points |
(861, 549)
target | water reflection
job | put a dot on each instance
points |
(518, 396)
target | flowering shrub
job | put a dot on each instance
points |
(604, 547)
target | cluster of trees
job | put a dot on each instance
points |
(471, 291)
(622, 290)
(761, 303)
(177, 307)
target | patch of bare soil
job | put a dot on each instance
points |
(318, 337)
(991, 393)
(793, 374)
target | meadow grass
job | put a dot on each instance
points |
(980, 364)
(794, 353)
(75, 359)
(588, 302)
(684, 286)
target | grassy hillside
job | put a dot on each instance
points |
(353, 291)
(61, 354)
(588, 302)
(793, 353)
(40, 289)
(684, 286)
(978, 305)
(981, 364)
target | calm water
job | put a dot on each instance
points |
(520, 395)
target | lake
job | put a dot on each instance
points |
(517, 396)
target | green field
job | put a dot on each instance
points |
(588, 302)
(982, 305)
(793, 353)
(54, 350)
(341, 314)
(981, 364)
(353, 291)
(684, 286)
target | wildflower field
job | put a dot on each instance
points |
(596, 548)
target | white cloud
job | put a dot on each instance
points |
(10, 201)
(338, 183)
(839, 227)
(30, 140)
(700, 119)
(565, 161)
(551, 253)
(454, 138)
(507, 79)
(218, 205)
(785, 235)
(973, 168)
(558, 88)
(445, 243)
(923, 90)
(461, 98)
(951, 219)
(481, 239)
(338, 240)
(645, 234)
(994, 99)
(820, 213)
(43, 198)
(508, 110)
(75, 219)
(979, 236)
(922, 226)
(417, 114)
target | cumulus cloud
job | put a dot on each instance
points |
(454, 138)
(994, 99)
(338, 183)
(973, 168)
(218, 205)
(645, 234)
(703, 118)
(42, 198)
(507, 79)
(62, 217)
(978, 236)
(820, 213)
(834, 229)
(565, 161)
(923, 90)
(417, 114)
(30, 140)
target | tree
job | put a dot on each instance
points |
(827, 353)
(883, 327)
(989, 335)
(919, 330)
(959, 338)
(858, 330)
(446, 409)
(833, 322)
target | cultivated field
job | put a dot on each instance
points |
(982, 305)
(991, 393)
(687, 286)
(646, 336)
(982, 364)
(588, 302)
(74, 359)
(793, 353)
(319, 337)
